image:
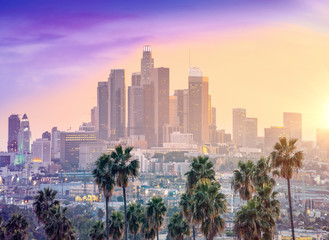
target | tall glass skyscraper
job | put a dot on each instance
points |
(13, 130)
(24, 136)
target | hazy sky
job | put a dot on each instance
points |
(266, 56)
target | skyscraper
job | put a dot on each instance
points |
(135, 106)
(24, 136)
(41, 149)
(55, 143)
(160, 79)
(117, 104)
(13, 129)
(293, 123)
(249, 133)
(94, 117)
(103, 108)
(239, 115)
(173, 113)
(198, 106)
(271, 136)
(147, 64)
(46, 135)
(182, 108)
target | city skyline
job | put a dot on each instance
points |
(241, 57)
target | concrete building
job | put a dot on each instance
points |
(41, 151)
(89, 153)
(239, 115)
(70, 147)
(94, 117)
(13, 129)
(271, 136)
(160, 80)
(173, 111)
(24, 136)
(103, 108)
(293, 123)
(55, 143)
(250, 133)
(198, 106)
(147, 64)
(135, 106)
(117, 104)
(46, 135)
(182, 108)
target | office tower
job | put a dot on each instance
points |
(87, 127)
(322, 140)
(239, 115)
(182, 108)
(160, 80)
(13, 128)
(147, 64)
(293, 123)
(198, 106)
(103, 108)
(223, 137)
(24, 136)
(70, 146)
(271, 136)
(149, 104)
(249, 133)
(135, 106)
(117, 104)
(88, 152)
(46, 135)
(41, 151)
(93, 117)
(173, 113)
(213, 137)
(55, 143)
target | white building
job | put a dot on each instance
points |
(41, 151)
(89, 153)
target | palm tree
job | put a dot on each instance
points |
(104, 177)
(116, 225)
(209, 204)
(187, 209)
(16, 227)
(58, 226)
(135, 215)
(45, 200)
(156, 212)
(177, 227)
(148, 231)
(124, 168)
(286, 158)
(242, 180)
(2, 229)
(97, 232)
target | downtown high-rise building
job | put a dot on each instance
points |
(24, 136)
(135, 106)
(55, 143)
(293, 123)
(103, 108)
(117, 104)
(239, 115)
(13, 129)
(182, 108)
(198, 106)
(160, 80)
(249, 138)
(41, 149)
(272, 136)
(94, 117)
(147, 64)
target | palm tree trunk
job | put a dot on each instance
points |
(107, 216)
(125, 207)
(135, 236)
(290, 210)
(193, 227)
(157, 233)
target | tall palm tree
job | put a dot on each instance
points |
(43, 201)
(16, 227)
(177, 227)
(209, 204)
(97, 231)
(124, 168)
(2, 229)
(187, 209)
(156, 212)
(135, 214)
(58, 226)
(242, 180)
(116, 225)
(287, 159)
(148, 231)
(105, 179)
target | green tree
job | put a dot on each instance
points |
(135, 215)
(58, 226)
(177, 227)
(43, 201)
(104, 177)
(148, 230)
(242, 180)
(156, 212)
(287, 159)
(15, 227)
(186, 206)
(209, 204)
(97, 231)
(116, 223)
(124, 168)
